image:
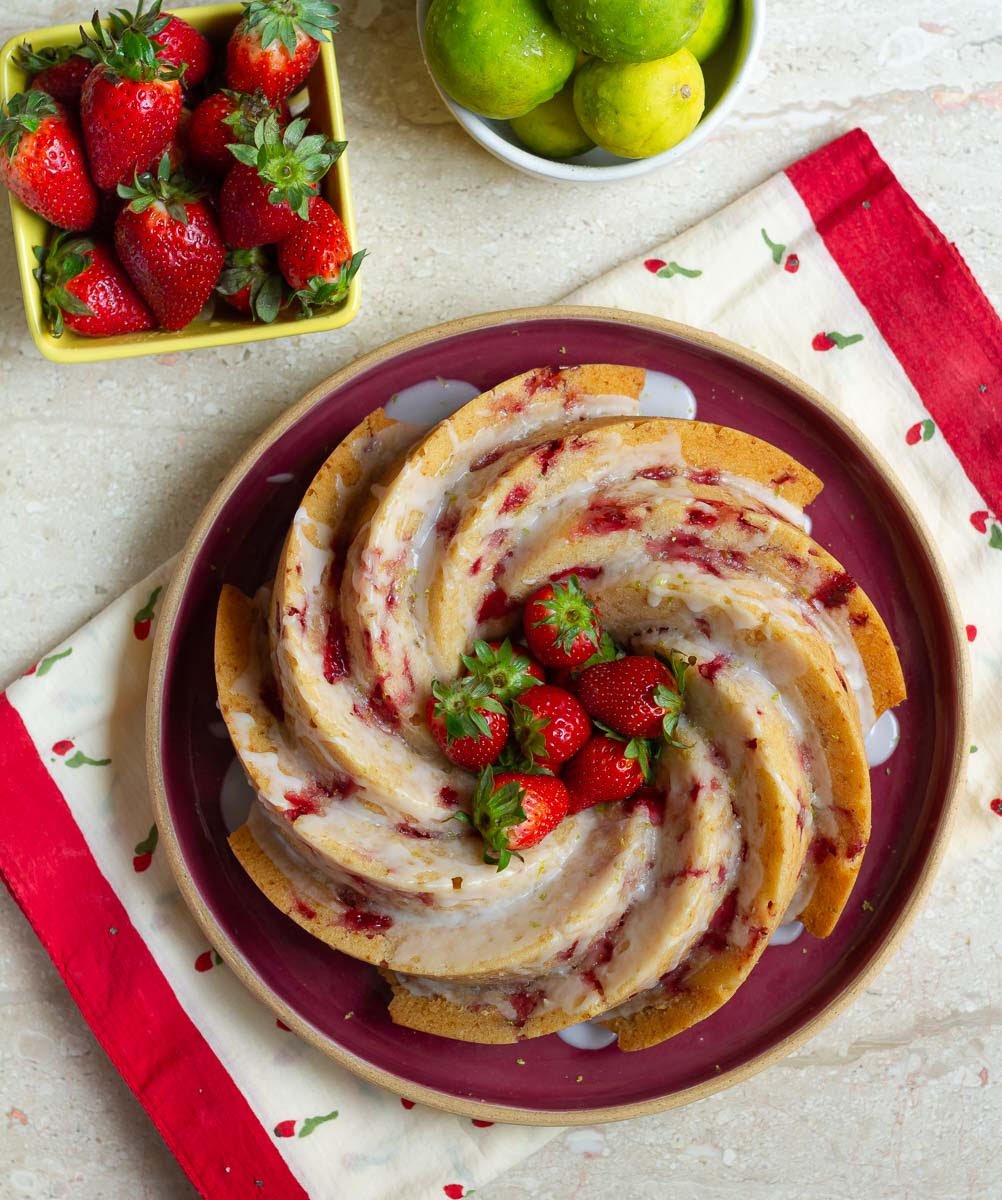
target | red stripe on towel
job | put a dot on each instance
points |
(920, 294)
(115, 981)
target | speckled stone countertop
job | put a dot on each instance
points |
(104, 468)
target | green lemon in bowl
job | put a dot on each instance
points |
(712, 29)
(639, 109)
(499, 58)
(628, 30)
(552, 130)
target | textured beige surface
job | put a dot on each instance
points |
(103, 469)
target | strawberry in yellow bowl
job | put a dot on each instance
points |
(138, 124)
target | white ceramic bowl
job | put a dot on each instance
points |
(726, 74)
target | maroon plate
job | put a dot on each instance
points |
(861, 516)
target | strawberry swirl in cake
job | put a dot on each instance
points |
(555, 711)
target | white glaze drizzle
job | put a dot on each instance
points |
(883, 738)
(588, 1035)
(666, 395)
(786, 934)
(429, 401)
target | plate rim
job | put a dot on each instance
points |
(232, 955)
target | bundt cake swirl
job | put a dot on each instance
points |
(689, 538)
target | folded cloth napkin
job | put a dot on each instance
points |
(829, 269)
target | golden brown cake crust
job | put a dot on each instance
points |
(308, 911)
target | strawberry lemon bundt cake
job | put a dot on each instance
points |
(555, 711)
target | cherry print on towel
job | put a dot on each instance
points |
(921, 431)
(46, 665)
(62, 747)
(207, 960)
(287, 1129)
(143, 619)
(777, 250)
(456, 1191)
(834, 340)
(406, 1103)
(996, 806)
(482, 1124)
(979, 520)
(144, 850)
(665, 270)
(971, 631)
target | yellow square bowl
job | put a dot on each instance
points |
(215, 21)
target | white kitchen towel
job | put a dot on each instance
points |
(829, 269)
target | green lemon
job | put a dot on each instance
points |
(552, 129)
(712, 29)
(628, 30)
(499, 58)
(639, 109)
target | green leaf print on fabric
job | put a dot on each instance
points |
(143, 619)
(777, 249)
(673, 268)
(81, 760)
(46, 665)
(311, 1123)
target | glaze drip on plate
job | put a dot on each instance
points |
(666, 396)
(410, 543)
(429, 401)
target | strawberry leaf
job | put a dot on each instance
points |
(255, 270)
(172, 189)
(266, 298)
(572, 613)
(511, 758)
(245, 154)
(528, 730)
(639, 749)
(25, 113)
(32, 61)
(327, 293)
(495, 811)
(505, 673)
(65, 259)
(126, 53)
(460, 706)
(148, 23)
(607, 651)
(673, 701)
(480, 721)
(249, 110)
(290, 163)
(280, 23)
